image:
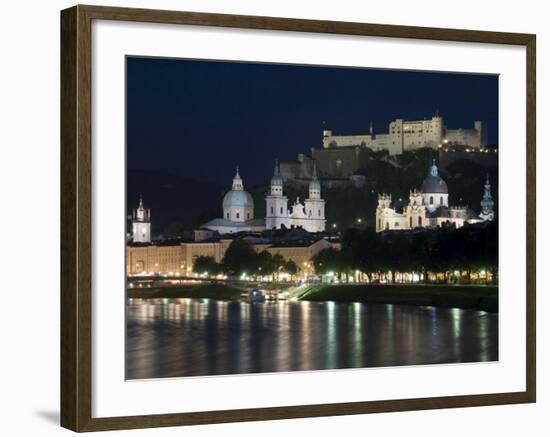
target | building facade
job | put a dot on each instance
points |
(178, 258)
(429, 207)
(406, 135)
(309, 215)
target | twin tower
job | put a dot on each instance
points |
(310, 215)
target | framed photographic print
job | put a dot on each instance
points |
(268, 218)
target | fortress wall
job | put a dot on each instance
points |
(465, 137)
(337, 162)
(303, 168)
(346, 140)
(489, 159)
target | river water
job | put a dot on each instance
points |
(196, 337)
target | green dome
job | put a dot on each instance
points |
(315, 185)
(238, 198)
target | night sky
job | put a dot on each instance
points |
(201, 118)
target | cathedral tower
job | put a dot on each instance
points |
(276, 203)
(141, 223)
(315, 206)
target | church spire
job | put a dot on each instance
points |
(276, 171)
(433, 169)
(314, 185)
(276, 181)
(237, 181)
(487, 203)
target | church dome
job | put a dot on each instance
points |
(238, 198)
(433, 182)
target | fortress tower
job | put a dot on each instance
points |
(141, 223)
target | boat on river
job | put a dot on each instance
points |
(256, 295)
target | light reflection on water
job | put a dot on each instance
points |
(194, 337)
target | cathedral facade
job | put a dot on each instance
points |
(429, 207)
(238, 209)
(309, 215)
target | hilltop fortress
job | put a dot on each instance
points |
(340, 156)
(406, 135)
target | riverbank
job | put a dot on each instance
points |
(476, 297)
(473, 297)
(191, 291)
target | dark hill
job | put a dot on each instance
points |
(176, 202)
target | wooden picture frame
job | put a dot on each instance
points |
(76, 217)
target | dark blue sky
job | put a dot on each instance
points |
(201, 118)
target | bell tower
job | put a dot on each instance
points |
(315, 206)
(487, 203)
(141, 223)
(276, 203)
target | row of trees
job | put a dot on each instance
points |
(241, 259)
(441, 251)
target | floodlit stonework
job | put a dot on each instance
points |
(309, 215)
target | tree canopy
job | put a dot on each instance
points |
(471, 247)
